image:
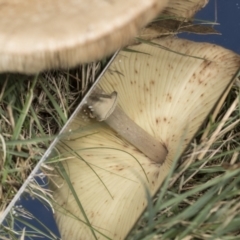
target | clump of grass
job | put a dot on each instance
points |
(33, 109)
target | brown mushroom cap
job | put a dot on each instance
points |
(39, 35)
(169, 95)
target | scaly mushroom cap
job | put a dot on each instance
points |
(184, 8)
(169, 95)
(39, 35)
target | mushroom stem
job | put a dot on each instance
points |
(134, 134)
(105, 109)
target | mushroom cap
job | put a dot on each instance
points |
(39, 35)
(169, 95)
(184, 8)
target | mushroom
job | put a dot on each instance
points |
(169, 95)
(39, 35)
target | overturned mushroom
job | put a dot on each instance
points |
(64, 33)
(169, 95)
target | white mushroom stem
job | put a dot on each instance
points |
(105, 109)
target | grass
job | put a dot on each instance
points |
(33, 110)
(199, 200)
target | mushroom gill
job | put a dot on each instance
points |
(168, 95)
